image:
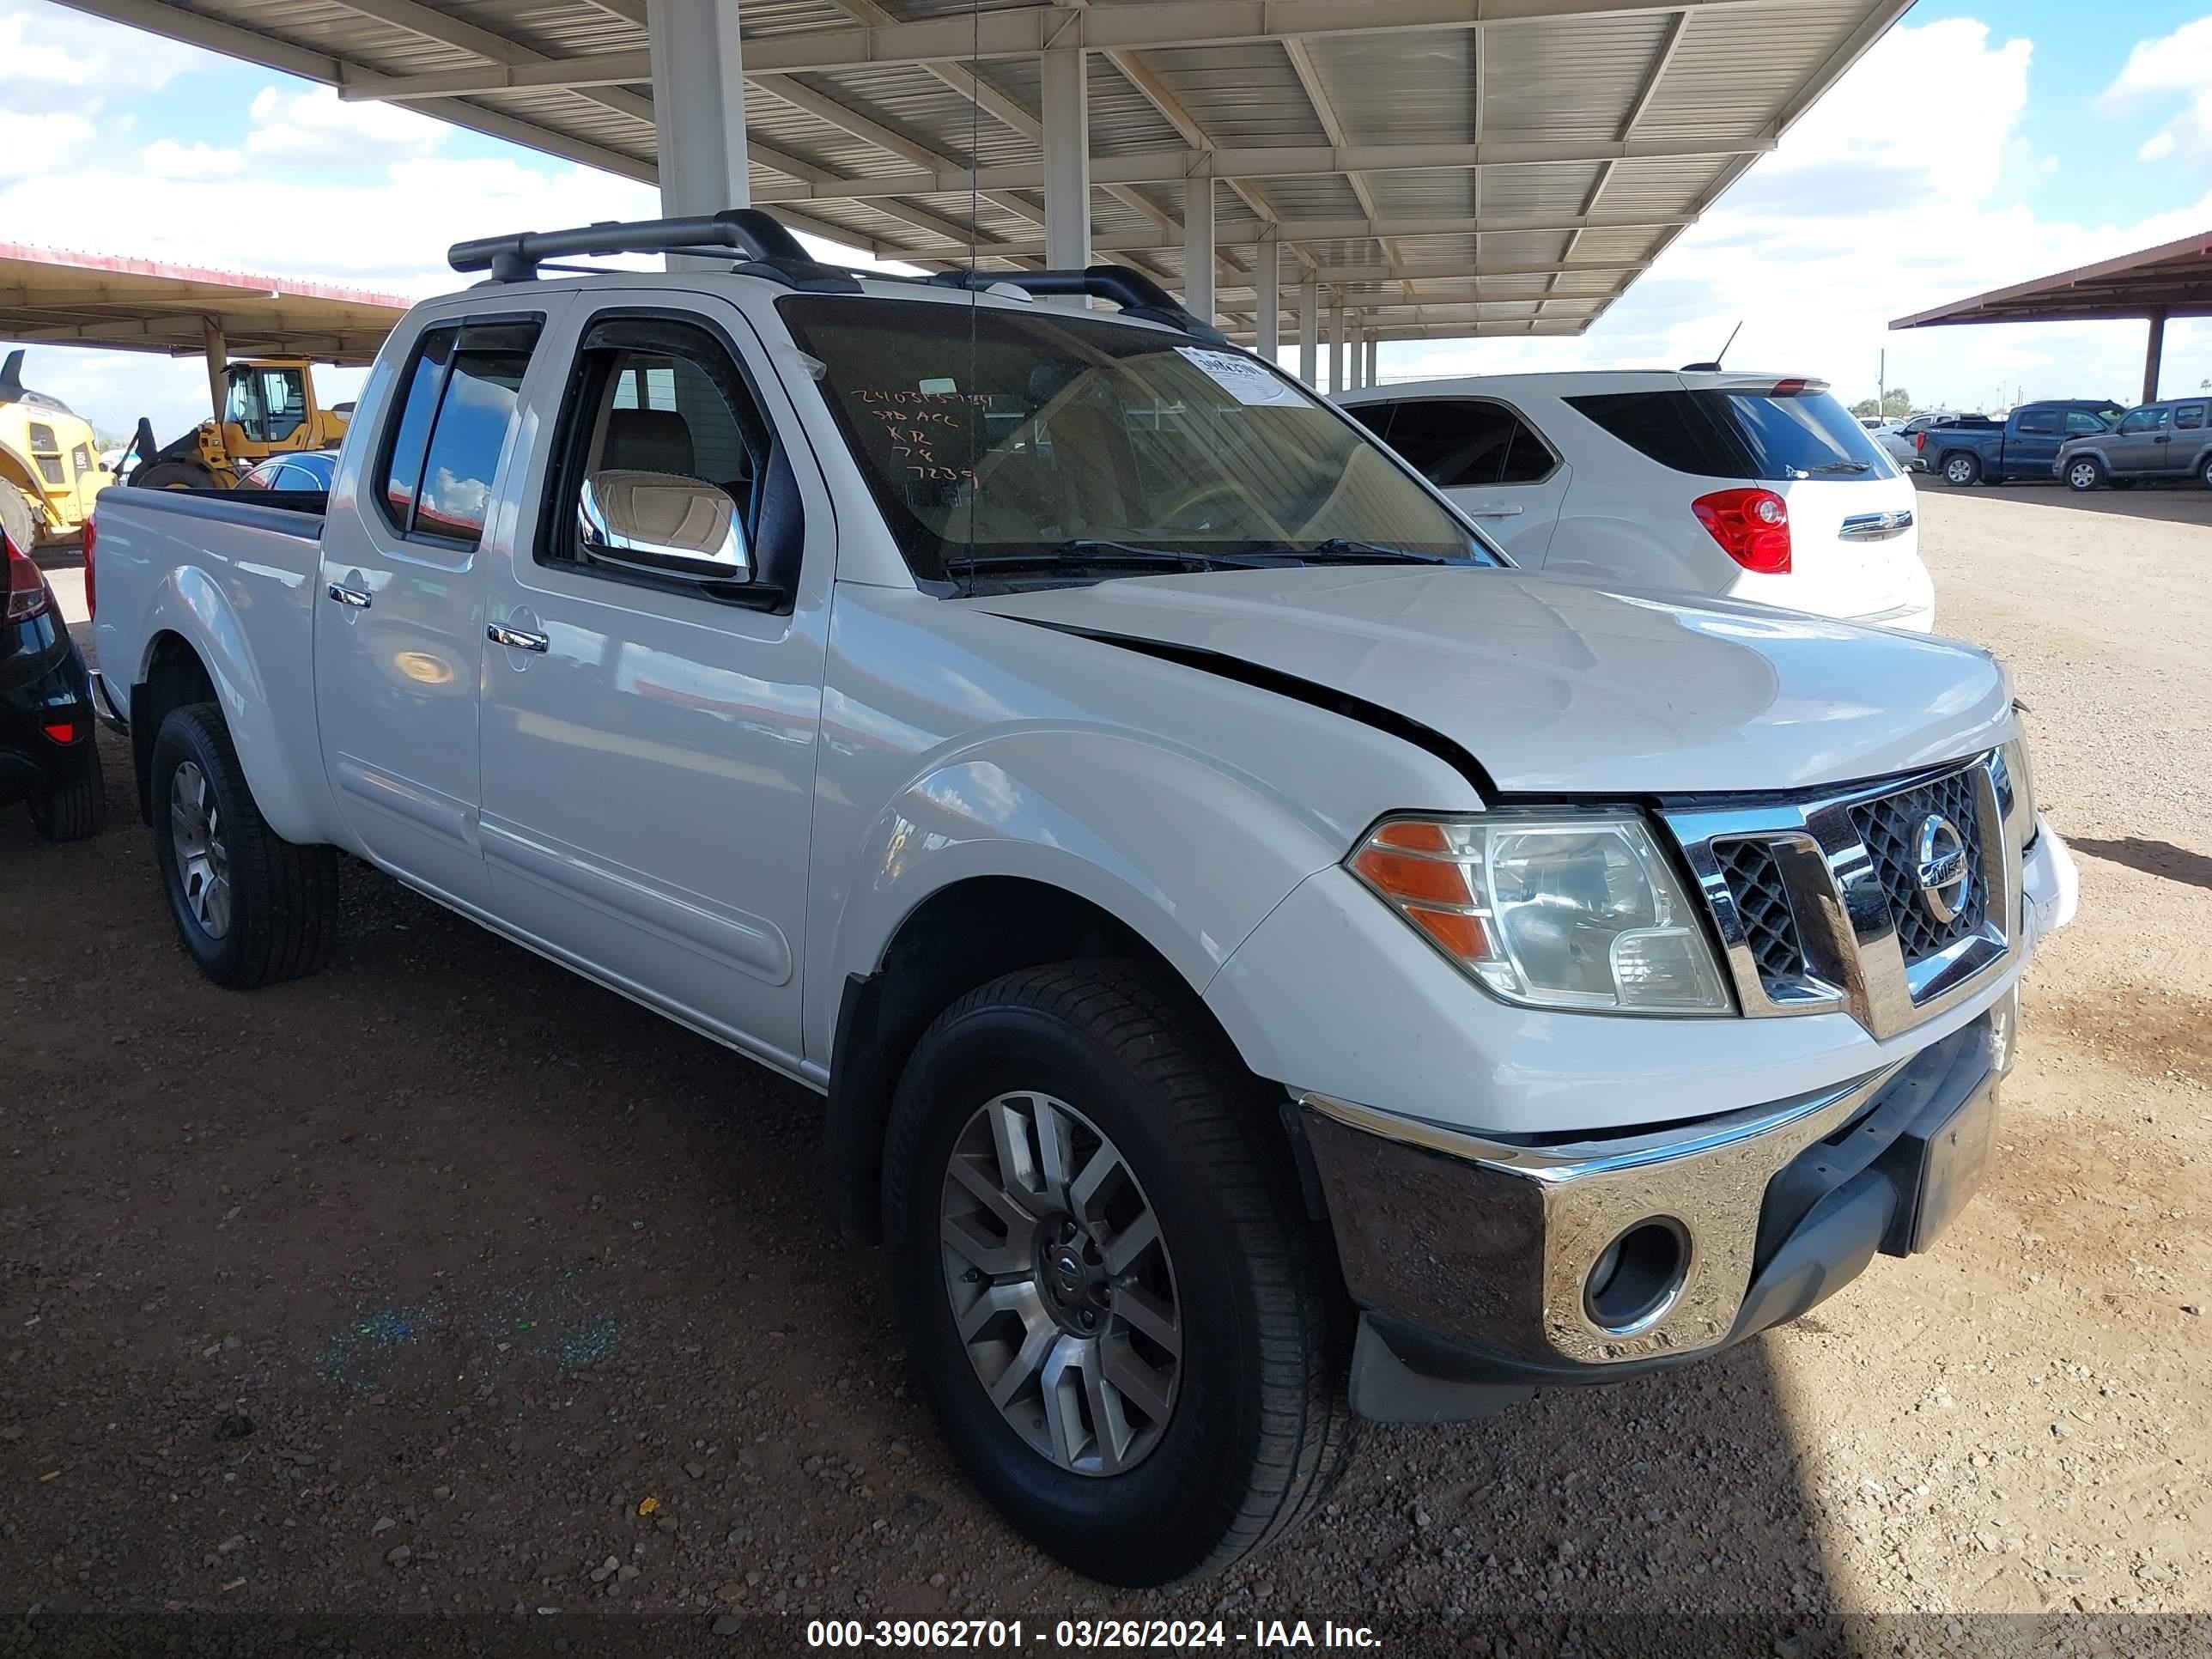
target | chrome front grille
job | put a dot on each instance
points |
(1890, 901)
(1889, 829)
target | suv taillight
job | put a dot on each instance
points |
(1751, 527)
(91, 588)
(27, 593)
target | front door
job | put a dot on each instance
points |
(2141, 442)
(649, 740)
(400, 606)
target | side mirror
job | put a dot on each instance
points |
(663, 525)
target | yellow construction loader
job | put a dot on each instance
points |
(268, 407)
(50, 465)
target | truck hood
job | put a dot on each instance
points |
(1559, 686)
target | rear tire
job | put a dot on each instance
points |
(1252, 1426)
(2085, 473)
(251, 907)
(1961, 471)
(2204, 472)
(172, 475)
(75, 810)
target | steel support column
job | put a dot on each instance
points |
(1374, 360)
(218, 356)
(1336, 347)
(1066, 113)
(1197, 245)
(1309, 330)
(1268, 282)
(698, 105)
(2154, 356)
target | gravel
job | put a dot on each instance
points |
(292, 1270)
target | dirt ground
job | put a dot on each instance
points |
(445, 1284)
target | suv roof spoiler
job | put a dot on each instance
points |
(772, 251)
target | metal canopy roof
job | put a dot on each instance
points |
(49, 297)
(2175, 280)
(1447, 168)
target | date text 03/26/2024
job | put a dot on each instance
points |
(1163, 1634)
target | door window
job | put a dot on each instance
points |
(2039, 420)
(655, 395)
(1459, 442)
(442, 451)
(2189, 417)
(268, 405)
(2150, 418)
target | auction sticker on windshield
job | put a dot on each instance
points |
(1244, 379)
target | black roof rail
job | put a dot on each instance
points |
(1137, 294)
(770, 250)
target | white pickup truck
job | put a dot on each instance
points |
(1248, 934)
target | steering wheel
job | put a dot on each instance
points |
(1188, 506)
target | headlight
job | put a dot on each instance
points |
(1553, 910)
(2015, 782)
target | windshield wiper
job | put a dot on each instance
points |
(1343, 547)
(1843, 467)
(1089, 554)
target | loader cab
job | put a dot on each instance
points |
(266, 406)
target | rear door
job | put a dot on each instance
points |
(399, 613)
(649, 744)
(2031, 442)
(2188, 435)
(1488, 457)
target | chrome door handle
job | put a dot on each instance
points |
(352, 596)
(1496, 510)
(516, 637)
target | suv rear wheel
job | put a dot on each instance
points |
(1106, 1276)
(2085, 472)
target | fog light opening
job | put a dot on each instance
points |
(1638, 1276)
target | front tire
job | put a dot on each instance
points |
(174, 475)
(251, 907)
(1088, 1202)
(2086, 472)
(1961, 471)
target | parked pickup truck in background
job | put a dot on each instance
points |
(2167, 440)
(1976, 449)
(1247, 933)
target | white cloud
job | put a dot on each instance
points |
(316, 128)
(30, 144)
(2157, 68)
(1858, 218)
(56, 60)
(165, 158)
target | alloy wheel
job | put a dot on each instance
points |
(202, 861)
(2083, 476)
(1061, 1286)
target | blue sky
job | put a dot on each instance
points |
(1977, 144)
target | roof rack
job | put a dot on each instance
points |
(770, 249)
(1137, 294)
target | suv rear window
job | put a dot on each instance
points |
(1750, 433)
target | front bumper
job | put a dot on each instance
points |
(1472, 1259)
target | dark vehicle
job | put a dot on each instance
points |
(309, 470)
(1976, 449)
(47, 756)
(2165, 441)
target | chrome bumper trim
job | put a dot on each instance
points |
(104, 705)
(1549, 1212)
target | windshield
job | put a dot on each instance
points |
(1047, 438)
(1770, 434)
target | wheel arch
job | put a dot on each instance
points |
(964, 935)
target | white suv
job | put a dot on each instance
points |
(1756, 486)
